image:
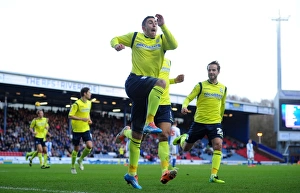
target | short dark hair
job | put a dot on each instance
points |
(37, 112)
(216, 63)
(84, 90)
(145, 20)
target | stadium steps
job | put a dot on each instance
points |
(257, 156)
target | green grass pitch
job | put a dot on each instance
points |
(109, 178)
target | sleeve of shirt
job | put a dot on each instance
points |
(32, 124)
(47, 123)
(169, 42)
(124, 39)
(73, 109)
(223, 103)
(191, 96)
(172, 81)
(90, 111)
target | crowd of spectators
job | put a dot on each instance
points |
(17, 137)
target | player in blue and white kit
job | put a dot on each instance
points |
(49, 148)
(175, 132)
(250, 153)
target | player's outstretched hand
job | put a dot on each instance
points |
(119, 47)
(160, 20)
(179, 78)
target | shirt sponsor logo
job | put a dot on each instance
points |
(153, 47)
(213, 95)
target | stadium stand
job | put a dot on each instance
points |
(17, 139)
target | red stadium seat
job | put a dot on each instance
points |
(8, 153)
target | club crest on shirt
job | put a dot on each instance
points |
(169, 63)
(221, 90)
